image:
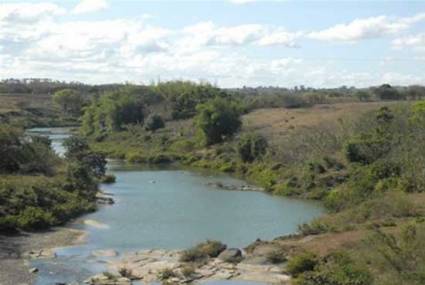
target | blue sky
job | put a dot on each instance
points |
(231, 42)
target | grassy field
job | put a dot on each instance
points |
(30, 110)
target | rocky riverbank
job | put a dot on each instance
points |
(16, 252)
(148, 266)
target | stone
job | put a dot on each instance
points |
(231, 255)
(104, 253)
(33, 270)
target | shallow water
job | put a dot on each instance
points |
(171, 209)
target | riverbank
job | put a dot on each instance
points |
(16, 252)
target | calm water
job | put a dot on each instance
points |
(171, 209)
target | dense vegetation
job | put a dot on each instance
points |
(38, 189)
(366, 167)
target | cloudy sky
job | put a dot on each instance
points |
(230, 42)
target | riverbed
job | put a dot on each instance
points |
(168, 208)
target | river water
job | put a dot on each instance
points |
(169, 208)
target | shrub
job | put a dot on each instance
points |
(154, 122)
(33, 218)
(108, 179)
(217, 119)
(202, 251)
(252, 147)
(301, 263)
(336, 269)
(276, 256)
(166, 274)
(188, 271)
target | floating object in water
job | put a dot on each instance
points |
(152, 181)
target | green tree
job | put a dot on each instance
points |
(217, 119)
(69, 100)
(387, 92)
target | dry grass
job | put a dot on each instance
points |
(16, 102)
(278, 123)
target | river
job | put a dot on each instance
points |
(169, 208)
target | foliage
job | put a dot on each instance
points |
(387, 92)
(154, 122)
(252, 147)
(69, 100)
(401, 257)
(113, 111)
(335, 269)
(202, 251)
(217, 119)
(24, 154)
(301, 263)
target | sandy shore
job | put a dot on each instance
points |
(14, 264)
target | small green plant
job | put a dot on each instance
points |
(166, 274)
(301, 263)
(202, 251)
(276, 256)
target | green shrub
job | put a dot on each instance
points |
(276, 256)
(33, 218)
(202, 251)
(301, 263)
(336, 269)
(166, 274)
(252, 147)
(217, 119)
(154, 122)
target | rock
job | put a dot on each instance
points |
(95, 224)
(105, 253)
(231, 255)
(42, 253)
(33, 270)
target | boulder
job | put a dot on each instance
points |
(231, 255)
(33, 270)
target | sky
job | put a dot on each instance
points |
(231, 43)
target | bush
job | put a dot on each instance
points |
(154, 122)
(301, 263)
(336, 269)
(108, 179)
(203, 250)
(166, 274)
(33, 218)
(276, 256)
(252, 147)
(217, 119)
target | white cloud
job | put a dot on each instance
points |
(36, 42)
(413, 41)
(27, 12)
(88, 6)
(367, 28)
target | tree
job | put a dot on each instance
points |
(387, 92)
(217, 119)
(69, 100)
(362, 95)
(154, 122)
(252, 147)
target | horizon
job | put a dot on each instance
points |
(230, 43)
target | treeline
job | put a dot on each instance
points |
(38, 189)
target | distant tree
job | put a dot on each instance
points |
(154, 122)
(70, 101)
(217, 119)
(362, 95)
(387, 92)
